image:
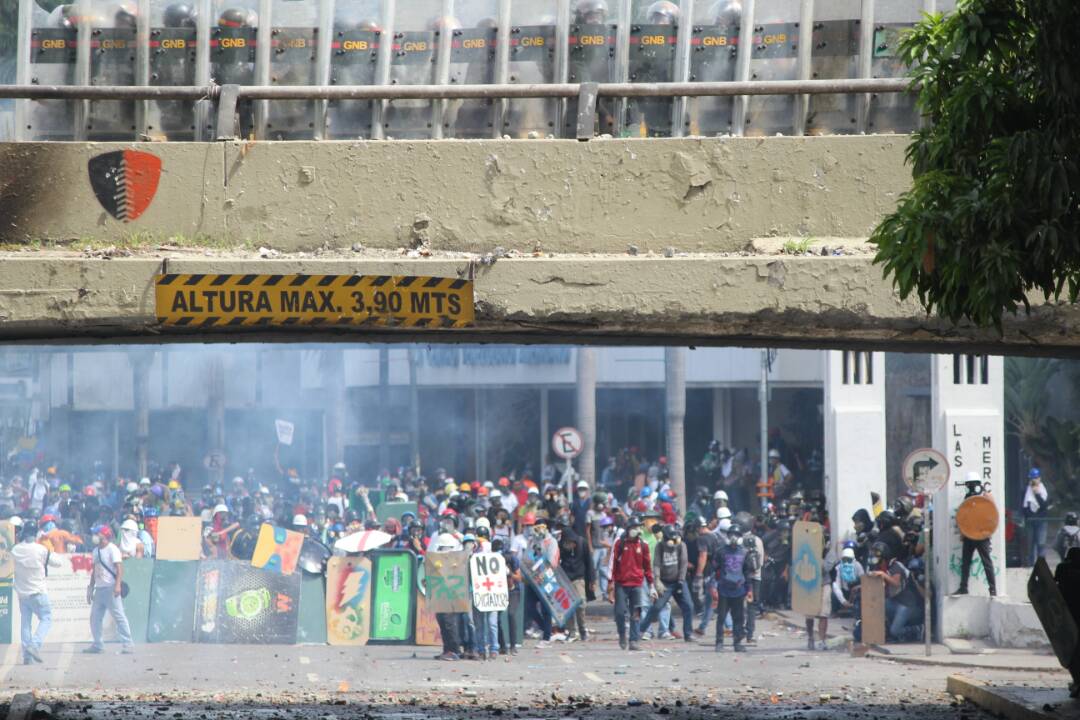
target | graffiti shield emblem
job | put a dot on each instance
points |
(125, 182)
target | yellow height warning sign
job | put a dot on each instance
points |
(273, 300)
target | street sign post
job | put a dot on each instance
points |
(926, 471)
(568, 443)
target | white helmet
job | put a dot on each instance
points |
(15, 521)
(724, 525)
(131, 487)
(847, 554)
(496, 493)
(723, 514)
(130, 524)
(221, 508)
(720, 495)
(447, 542)
(299, 521)
(145, 481)
(973, 477)
(774, 454)
(483, 522)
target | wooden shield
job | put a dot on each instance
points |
(1053, 613)
(977, 517)
(807, 568)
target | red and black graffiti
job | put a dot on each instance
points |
(125, 182)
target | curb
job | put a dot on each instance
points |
(966, 664)
(1004, 703)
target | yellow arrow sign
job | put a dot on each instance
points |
(190, 300)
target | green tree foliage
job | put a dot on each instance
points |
(993, 213)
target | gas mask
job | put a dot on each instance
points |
(874, 560)
(446, 525)
(540, 531)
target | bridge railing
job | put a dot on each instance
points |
(227, 101)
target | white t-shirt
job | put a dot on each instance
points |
(109, 557)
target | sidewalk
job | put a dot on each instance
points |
(956, 654)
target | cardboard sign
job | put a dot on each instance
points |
(554, 588)
(179, 538)
(427, 627)
(387, 510)
(285, 431)
(448, 582)
(490, 590)
(277, 549)
(807, 568)
(209, 300)
(873, 610)
(393, 596)
(348, 600)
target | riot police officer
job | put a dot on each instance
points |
(234, 62)
(175, 65)
(592, 59)
(652, 59)
(475, 66)
(354, 63)
(113, 63)
(713, 60)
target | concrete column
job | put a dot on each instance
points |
(215, 413)
(968, 420)
(586, 412)
(545, 427)
(384, 406)
(675, 385)
(721, 417)
(854, 435)
(414, 413)
(140, 392)
(334, 395)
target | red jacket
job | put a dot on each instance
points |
(630, 564)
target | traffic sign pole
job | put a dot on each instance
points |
(926, 471)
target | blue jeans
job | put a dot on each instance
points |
(29, 606)
(628, 604)
(105, 601)
(903, 620)
(599, 557)
(487, 631)
(681, 593)
(1036, 535)
(706, 614)
(468, 632)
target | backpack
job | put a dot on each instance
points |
(1070, 539)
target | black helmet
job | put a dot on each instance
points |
(590, 12)
(744, 519)
(1070, 518)
(735, 531)
(670, 532)
(416, 529)
(238, 17)
(125, 16)
(634, 521)
(663, 12)
(179, 15)
(886, 519)
(483, 532)
(881, 550)
(903, 506)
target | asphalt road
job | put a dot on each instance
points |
(779, 678)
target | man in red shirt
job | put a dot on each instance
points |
(631, 574)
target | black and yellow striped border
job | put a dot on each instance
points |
(410, 293)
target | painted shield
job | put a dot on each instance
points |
(977, 517)
(125, 182)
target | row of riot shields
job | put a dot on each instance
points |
(459, 42)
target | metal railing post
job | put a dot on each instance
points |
(382, 67)
(202, 68)
(264, 39)
(682, 65)
(323, 52)
(866, 65)
(502, 67)
(742, 66)
(82, 67)
(22, 66)
(806, 46)
(142, 67)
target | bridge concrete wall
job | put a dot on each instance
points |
(562, 196)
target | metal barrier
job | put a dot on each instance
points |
(500, 48)
(227, 97)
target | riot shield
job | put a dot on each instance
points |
(233, 38)
(532, 60)
(294, 37)
(892, 112)
(654, 32)
(50, 57)
(834, 56)
(418, 28)
(473, 61)
(358, 32)
(774, 56)
(174, 36)
(112, 62)
(714, 50)
(593, 57)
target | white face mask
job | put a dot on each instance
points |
(95, 539)
(634, 532)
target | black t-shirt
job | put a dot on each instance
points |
(710, 543)
(692, 550)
